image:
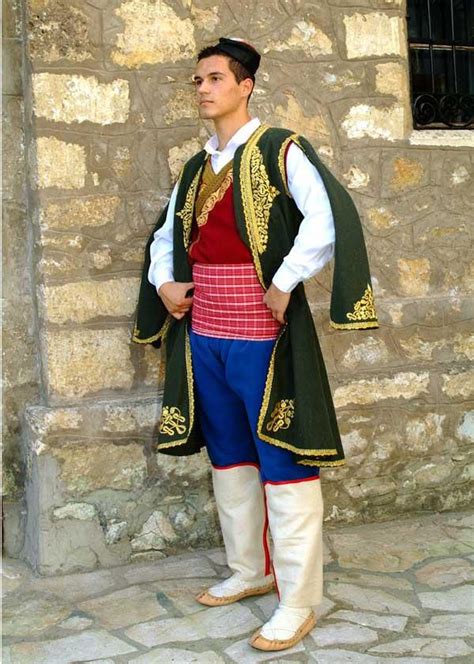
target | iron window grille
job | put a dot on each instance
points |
(441, 61)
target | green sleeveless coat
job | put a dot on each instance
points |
(297, 411)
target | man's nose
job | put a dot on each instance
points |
(203, 88)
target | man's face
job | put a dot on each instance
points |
(217, 92)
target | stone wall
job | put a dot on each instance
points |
(109, 120)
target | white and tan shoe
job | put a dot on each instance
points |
(285, 629)
(234, 589)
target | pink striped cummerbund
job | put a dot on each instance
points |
(228, 303)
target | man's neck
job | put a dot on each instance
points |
(227, 126)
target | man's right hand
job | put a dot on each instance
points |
(173, 295)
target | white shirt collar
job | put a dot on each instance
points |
(241, 136)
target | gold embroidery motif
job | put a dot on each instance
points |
(190, 381)
(364, 309)
(172, 420)
(263, 196)
(281, 415)
(187, 211)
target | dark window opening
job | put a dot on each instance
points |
(441, 60)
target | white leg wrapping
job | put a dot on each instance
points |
(240, 505)
(295, 512)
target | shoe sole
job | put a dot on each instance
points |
(209, 600)
(261, 643)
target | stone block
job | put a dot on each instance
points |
(374, 34)
(310, 124)
(59, 31)
(305, 36)
(60, 164)
(83, 361)
(83, 301)
(367, 121)
(401, 385)
(74, 213)
(391, 78)
(72, 98)
(151, 33)
(414, 275)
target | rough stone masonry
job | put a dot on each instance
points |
(99, 117)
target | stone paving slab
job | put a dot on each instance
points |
(393, 594)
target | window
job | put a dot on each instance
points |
(441, 59)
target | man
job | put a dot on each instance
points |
(251, 216)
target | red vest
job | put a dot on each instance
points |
(217, 240)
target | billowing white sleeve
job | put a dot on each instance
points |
(161, 249)
(314, 244)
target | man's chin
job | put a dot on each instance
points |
(206, 113)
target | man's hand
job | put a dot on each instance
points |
(173, 294)
(277, 301)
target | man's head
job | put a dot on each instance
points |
(225, 77)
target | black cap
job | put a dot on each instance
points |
(241, 51)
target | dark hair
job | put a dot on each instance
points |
(236, 67)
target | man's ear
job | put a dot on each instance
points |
(248, 85)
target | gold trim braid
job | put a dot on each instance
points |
(354, 326)
(187, 211)
(322, 463)
(281, 161)
(212, 193)
(159, 335)
(248, 199)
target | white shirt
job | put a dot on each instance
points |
(314, 244)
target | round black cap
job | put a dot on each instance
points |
(241, 51)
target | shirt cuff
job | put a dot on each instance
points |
(159, 276)
(285, 279)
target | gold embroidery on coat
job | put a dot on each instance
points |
(364, 309)
(281, 415)
(263, 196)
(190, 381)
(172, 421)
(187, 211)
(247, 198)
(264, 410)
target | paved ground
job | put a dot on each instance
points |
(396, 592)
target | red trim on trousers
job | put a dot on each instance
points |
(269, 560)
(302, 479)
(236, 465)
(266, 548)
